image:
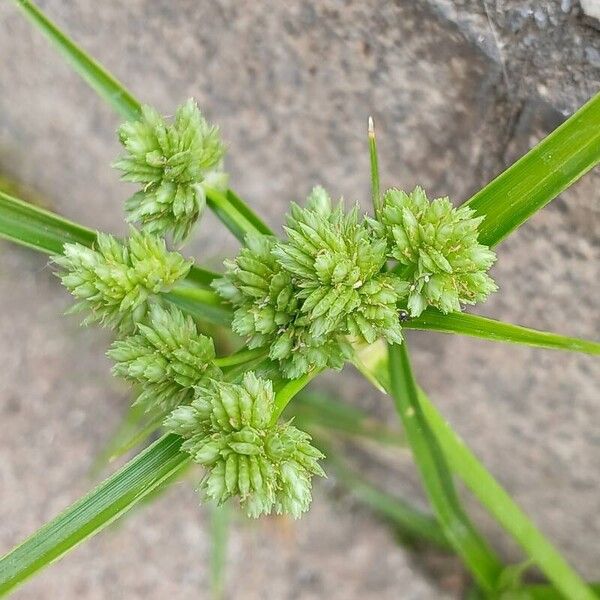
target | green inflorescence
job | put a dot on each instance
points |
(115, 281)
(175, 163)
(305, 297)
(230, 429)
(167, 357)
(437, 246)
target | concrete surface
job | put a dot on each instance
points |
(458, 89)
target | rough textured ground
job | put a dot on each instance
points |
(458, 90)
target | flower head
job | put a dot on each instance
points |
(267, 311)
(229, 429)
(174, 162)
(167, 357)
(114, 281)
(304, 296)
(437, 244)
(335, 260)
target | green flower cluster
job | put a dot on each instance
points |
(175, 163)
(231, 429)
(114, 281)
(437, 245)
(304, 296)
(167, 357)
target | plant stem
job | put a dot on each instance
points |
(435, 473)
(289, 390)
(410, 521)
(242, 356)
(483, 485)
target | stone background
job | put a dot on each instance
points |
(458, 89)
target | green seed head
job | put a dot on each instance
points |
(229, 430)
(437, 245)
(175, 163)
(115, 281)
(167, 357)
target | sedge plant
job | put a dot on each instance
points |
(337, 287)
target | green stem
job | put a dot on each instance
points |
(201, 303)
(488, 491)
(220, 517)
(236, 221)
(435, 473)
(240, 357)
(502, 507)
(289, 390)
(411, 522)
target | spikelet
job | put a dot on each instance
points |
(175, 163)
(335, 260)
(167, 357)
(115, 281)
(229, 429)
(437, 244)
(267, 311)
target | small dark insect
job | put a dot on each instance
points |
(403, 315)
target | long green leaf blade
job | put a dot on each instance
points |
(92, 71)
(318, 410)
(435, 474)
(540, 175)
(486, 489)
(409, 520)
(490, 329)
(94, 512)
(548, 592)
(37, 228)
(503, 508)
(235, 214)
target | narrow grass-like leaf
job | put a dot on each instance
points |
(94, 512)
(374, 162)
(483, 485)
(200, 303)
(410, 521)
(247, 213)
(477, 555)
(220, 517)
(37, 228)
(89, 69)
(490, 329)
(540, 175)
(503, 508)
(289, 390)
(234, 213)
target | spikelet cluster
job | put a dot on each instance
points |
(175, 163)
(267, 311)
(167, 357)
(230, 429)
(302, 297)
(114, 281)
(437, 244)
(335, 261)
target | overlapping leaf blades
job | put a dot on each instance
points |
(507, 202)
